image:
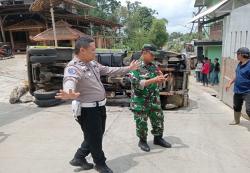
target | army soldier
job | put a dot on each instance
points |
(82, 84)
(145, 98)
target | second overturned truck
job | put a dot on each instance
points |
(46, 68)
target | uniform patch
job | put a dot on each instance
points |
(72, 71)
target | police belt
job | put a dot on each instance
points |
(94, 104)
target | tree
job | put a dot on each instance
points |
(105, 9)
(177, 40)
(140, 23)
(158, 33)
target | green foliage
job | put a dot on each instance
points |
(158, 33)
(140, 23)
(177, 40)
(105, 9)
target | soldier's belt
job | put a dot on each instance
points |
(94, 104)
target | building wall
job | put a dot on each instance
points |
(237, 31)
(236, 34)
(213, 52)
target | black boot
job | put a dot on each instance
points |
(103, 168)
(158, 140)
(82, 163)
(143, 145)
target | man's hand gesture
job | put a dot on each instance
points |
(71, 95)
(134, 65)
(228, 86)
(160, 79)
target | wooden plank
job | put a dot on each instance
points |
(2, 30)
(12, 40)
(40, 5)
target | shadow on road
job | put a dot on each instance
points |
(10, 113)
(193, 104)
(174, 141)
(3, 136)
(125, 163)
(245, 124)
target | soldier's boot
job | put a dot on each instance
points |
(82, 163)
(158, 140)
(236, 118)
(144, 145)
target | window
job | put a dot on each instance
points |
(246, 39)
(241, 43)
(231, 43)
(235, 42)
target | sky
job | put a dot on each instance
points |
(177, 12)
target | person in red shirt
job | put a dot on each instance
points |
(205, 71)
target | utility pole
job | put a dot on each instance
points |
(53, 23)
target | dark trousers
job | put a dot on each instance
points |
(205, 79)
(215, 78)
(198, 76)
(92, 122)
(238, 102)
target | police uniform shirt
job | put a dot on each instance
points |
(85, 78)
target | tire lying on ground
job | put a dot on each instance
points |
(48, 103)
(46, 98)
(45, 95)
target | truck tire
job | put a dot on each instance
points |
(41, 52)
(48, 103)
(43, 95)
(43, 59)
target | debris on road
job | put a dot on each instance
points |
(20, 94)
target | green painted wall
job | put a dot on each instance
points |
(213, 52)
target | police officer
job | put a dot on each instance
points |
(145, 98)
(241, 85)
(82, 84)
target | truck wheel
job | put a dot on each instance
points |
(43, 95)
(48, 103)
(44, 52)
(43, 59)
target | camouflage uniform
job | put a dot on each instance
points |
(145, 101)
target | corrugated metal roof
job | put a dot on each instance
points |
(209, 11)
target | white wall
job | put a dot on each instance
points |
(236, 34)
(236, 31)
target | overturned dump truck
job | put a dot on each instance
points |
(46, 68)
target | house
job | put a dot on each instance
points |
(227, 21)
(21, 20)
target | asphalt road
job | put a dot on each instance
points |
(44, 140)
